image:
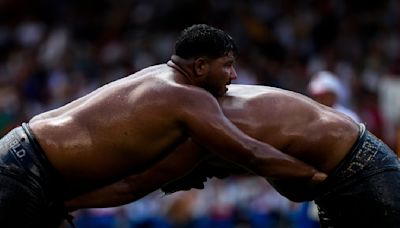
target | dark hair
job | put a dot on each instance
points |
(204, 40)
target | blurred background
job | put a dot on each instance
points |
(53, 51)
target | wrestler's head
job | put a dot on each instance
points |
(213, 53)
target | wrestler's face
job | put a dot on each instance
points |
(220, 74)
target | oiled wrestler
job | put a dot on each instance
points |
(124, 127)
(362, 188)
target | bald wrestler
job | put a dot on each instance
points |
(362, 188)
(126, 126)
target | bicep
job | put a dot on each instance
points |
(210, 128)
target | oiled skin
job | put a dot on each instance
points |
(291, 122)
(126, 126)
(294, 124)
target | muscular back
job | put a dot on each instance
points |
(291, 122)
(117, 129)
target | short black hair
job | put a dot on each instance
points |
(204, 40)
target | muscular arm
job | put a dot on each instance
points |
(134, 187)
(208, 126)
(189, 166)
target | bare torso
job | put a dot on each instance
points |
(292, 123)
(126, 126)
(118, 129)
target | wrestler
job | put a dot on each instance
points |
(361, 189)
(126, 126)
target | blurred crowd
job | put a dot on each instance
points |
(53, 51)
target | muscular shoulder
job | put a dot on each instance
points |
(172, 95)
(193, 95)
(188, 98)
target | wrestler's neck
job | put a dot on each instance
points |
(185, 68)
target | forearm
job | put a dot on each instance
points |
(272, 163)
(136, 186)
(122, 192)
(108, 196)
(217, 134)
(265, 160)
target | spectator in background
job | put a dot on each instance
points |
(326, 89)
(83, 42)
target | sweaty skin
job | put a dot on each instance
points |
(291, 122)
(126, 126)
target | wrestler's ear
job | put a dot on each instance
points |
(201, 66)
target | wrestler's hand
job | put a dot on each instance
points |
(209, 168)
(195, 179)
